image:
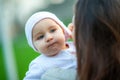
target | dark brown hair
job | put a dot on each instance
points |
(97, 37)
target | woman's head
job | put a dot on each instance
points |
(38, 17)
(97, 37)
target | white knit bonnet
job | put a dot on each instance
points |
(36, 18)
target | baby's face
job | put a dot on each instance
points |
(48, 37)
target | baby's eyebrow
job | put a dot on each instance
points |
(52, 26)
(39, 33)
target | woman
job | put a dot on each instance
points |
(97, 37)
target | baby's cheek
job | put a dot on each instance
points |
(44, 49)
(39, 46)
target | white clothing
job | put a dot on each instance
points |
(59, 74)
(66, 59)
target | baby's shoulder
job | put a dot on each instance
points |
(38, 60)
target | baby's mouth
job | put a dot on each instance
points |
(51, 44)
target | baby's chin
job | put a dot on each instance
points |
(52, 51)
(52, 54)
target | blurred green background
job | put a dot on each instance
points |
(13, 42)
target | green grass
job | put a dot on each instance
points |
(2, 66)
(24, 55)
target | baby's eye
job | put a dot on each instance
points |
(52, 30)
(40, 37)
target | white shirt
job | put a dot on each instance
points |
(66, 59)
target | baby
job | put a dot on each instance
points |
(47, 35)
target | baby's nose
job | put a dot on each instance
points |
(49, 38)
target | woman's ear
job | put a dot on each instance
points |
(70, 27)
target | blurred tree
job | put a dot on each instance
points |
(6, 38)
